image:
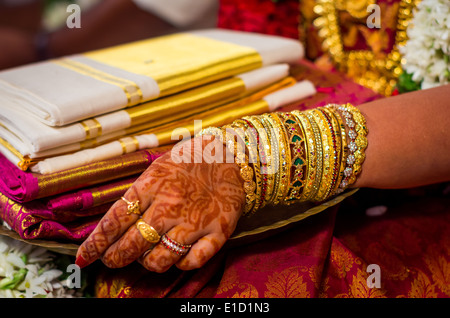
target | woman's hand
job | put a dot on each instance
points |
(192, 203)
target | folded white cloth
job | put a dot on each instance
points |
(274, 101)
(181, 13)
(33, 138)
(66, 90)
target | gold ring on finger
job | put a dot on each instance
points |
(147, 231)
(133, 207)
(174, 246)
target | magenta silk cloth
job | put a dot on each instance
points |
(326, 255)
(55, 217)
(27, 186)
(33, 220)
(67, 205)
(84, 199)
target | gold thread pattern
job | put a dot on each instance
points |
(92, 128)
(132, 90)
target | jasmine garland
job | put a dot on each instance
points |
(426, 54)
(28, 271)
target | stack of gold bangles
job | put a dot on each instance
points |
(298, 156)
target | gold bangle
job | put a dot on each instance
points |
(252, 146)
(245, 171)
(328, 160)
(285, 158)
(311, 155)
(356, 132)
(343, 156)
(335, 127)
(254, 142)
(319, 153)
(361, 141)
(251, 158)
(275, 160)
(296, 139)
(265, 151)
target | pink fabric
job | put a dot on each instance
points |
(55, 216)
(324, 256)
(26, 186)
(332, 87)
(33, 220)
(15, 183)
(88, 198)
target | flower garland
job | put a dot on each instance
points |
(28, 271)
(426, 54)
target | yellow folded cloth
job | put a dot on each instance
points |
(73, 88)
(32, 138)
(170, 133)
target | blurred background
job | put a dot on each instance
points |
(33, 30)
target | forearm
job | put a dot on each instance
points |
(408, 140)
(397, 142)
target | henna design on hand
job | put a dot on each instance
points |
(192, 200)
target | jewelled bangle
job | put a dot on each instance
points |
(252, 140)
(351, 147)
(361, 141)
(265, 150)
(327, 162)
(357, 142)
(319, 157)
(275, 160)
(245, 170)
(296, 139)
(334, 126)
(285, 158)
(311, 155)
(343, 155)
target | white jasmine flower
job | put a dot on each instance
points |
(427, 51)
(27, 271)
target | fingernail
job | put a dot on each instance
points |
(81, 262)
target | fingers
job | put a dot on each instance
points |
(133, 244)
(188, 202)
(117, 220)
(201, 252)
(161, 258)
